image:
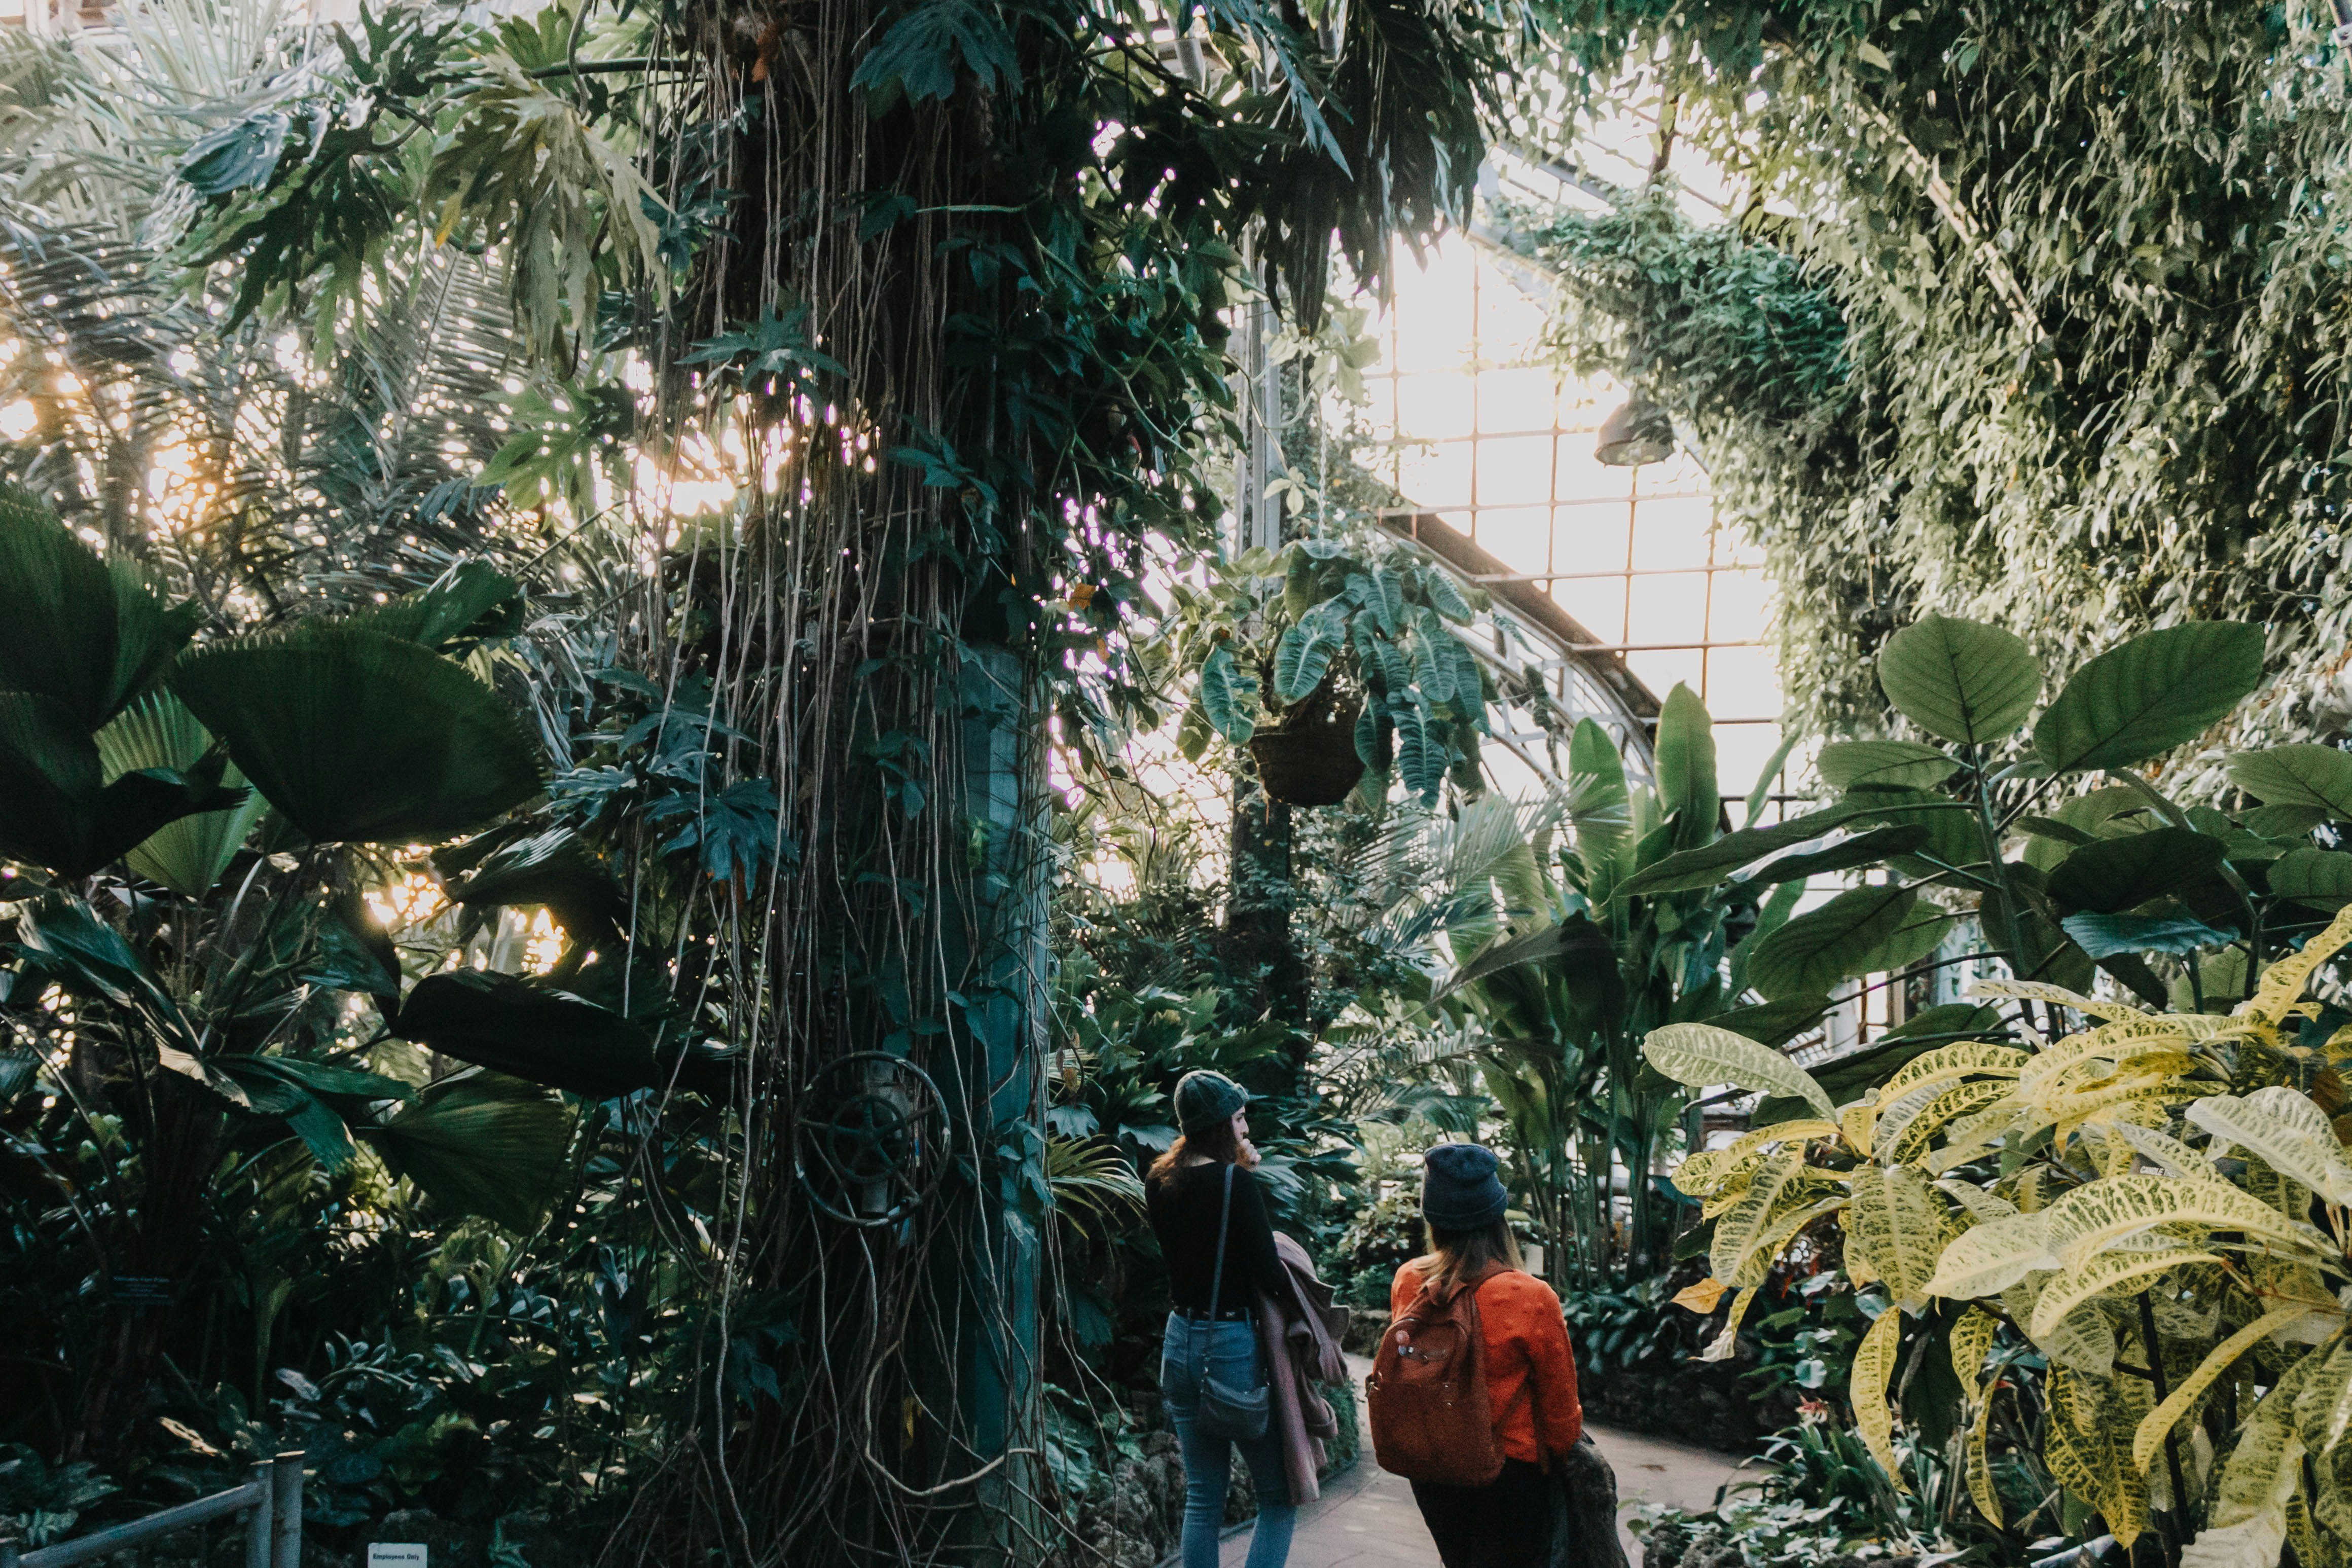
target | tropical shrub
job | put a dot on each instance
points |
(276, 1170)
(1560, 955)
(2146, 1192)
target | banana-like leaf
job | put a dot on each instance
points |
(2111, 876)
(1228, 697)
(1508, 952)
(1685, 767)
(1773, 1024)
(354, 736)
(1874, 848)
(1599, 801)
(1874, 1366)
(2321, 878)
(57, 811)
(480, 1142)
(187, 855)
(547, 1036)
(2150, 695)
(2301, 775)
(1699, 1054)
(1850, 935)
(1711, 864)
(90, 635)
(1962, 680)
(2289, 1132)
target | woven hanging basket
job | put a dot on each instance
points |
(1309, 759)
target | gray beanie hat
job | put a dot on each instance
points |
(1204, 1099)
(1459, 1188)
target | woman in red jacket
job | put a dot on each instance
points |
(1530, 1371)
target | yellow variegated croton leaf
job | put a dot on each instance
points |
(2144, 1175)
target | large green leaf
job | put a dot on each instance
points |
(2108, 936)
(1713, 863)
(1227, 696)
(1874, 848)
(547, 1036)
(1954, 838)
(2111, 876)
(2304, 775)
(2322, 878)
(1903, 764)
(472, 601)
(2150, 695)
(1597, 796)
(556, 871)
(1962, 680)
(57, 811)
(482, 1144)
(187, 855)
(1856, 932)
(88, 634)
(1301, 660)
(354, 736)
(90, 958)
(1685, 767)
(1773, 1024)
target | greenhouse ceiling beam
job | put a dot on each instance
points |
(1535, 608)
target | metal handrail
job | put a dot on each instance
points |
(272, 1502)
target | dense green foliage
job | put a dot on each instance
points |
(2032, 295)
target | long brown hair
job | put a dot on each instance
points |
(1458, 1255)
(1218, 1143)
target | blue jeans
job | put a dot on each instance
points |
(1230, 1351)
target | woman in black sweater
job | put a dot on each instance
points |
(1210, 1330)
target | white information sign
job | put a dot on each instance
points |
(382, 1554)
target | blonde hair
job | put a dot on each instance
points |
(1454, 1256)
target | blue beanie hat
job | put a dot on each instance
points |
(1204, 1099)
(1459, 1188)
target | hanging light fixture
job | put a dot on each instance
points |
(1639, 432)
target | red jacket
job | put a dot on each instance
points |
(1527, 1343)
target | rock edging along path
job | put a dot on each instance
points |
(1366, 1517)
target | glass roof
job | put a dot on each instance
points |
(1470, 421)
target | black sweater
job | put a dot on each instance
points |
(1183, 1207)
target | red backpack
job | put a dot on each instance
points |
(1427, 1392)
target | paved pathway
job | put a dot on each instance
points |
(1366, 1517)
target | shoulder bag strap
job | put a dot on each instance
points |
(1217, 1275)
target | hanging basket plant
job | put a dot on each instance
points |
(1328, 661)
(1309, 758)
